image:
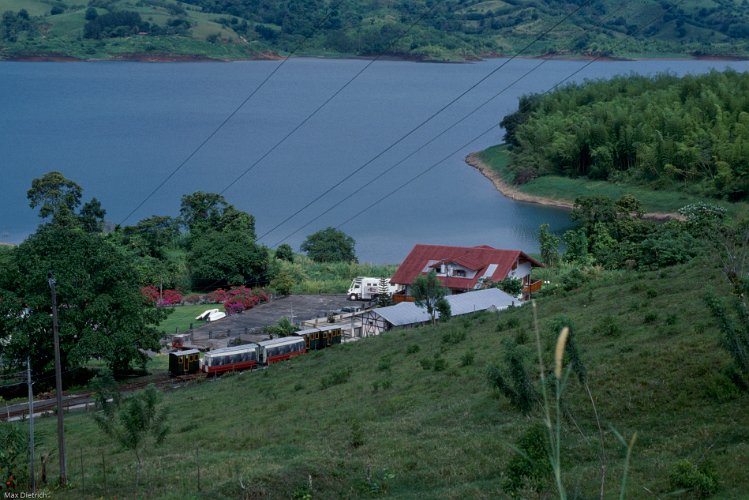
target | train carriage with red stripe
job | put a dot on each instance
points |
(272, 351)
(243, 357)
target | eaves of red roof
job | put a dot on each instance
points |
(474, 258)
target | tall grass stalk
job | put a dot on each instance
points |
(553, 430)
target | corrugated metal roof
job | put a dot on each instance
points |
(478, 259)
(408, 313)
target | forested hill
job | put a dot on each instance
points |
(684, 134)
(418, 29)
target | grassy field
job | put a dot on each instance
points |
(410, 414)
(181, 317)
(566, 189)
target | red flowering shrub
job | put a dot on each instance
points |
(150, 294)
(171, 298)
(217, 296)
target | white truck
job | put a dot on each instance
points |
(364, 288)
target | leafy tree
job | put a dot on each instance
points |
(91, 216)
(137, 421)
(14, 447)
(283, 282)
(384, 299)
(549, 244)
(511, 285)
(330, 245)
(100, 308)
(443, 308)
(283, 328)
(577, 246)
(285, 252)
(427, 290)
(220, 259)
(55, 196)
(202, 212)
(151, 236)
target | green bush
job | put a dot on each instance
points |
(454, 337)
(530, 466)
(412, 349)
(338, 377)
(467, 358)
(608, 327)
(702, 480)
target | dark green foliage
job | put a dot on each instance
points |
(571, 349)
(356, 438)
(115, 24)
(735, 331)
(574, 279)
(101, 311)
(468, 358)
(55, 196)
(412, 349)
(283, 328)
(518, 389)
(383, 295)
(549, 244)
(282, 283)
(511, 285)
(14, 449)
(608, 327)
(530, 465)
(453, 337)
(426, 363)
(337, 377)
(285, 252)
(384, 364)
(440, 363)
(138, 420)
(427, 290)
(226, 258)
(203, 213)
(14, 26)
(443, 308)
(329, 245)
(687, 133)
(700, 480)
(650, 317)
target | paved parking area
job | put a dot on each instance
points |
(248, 324)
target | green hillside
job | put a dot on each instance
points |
(410, 414)
(447, 30)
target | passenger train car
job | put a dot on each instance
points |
(249, 356)
(242, 357)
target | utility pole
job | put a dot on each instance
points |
(31, 424)
(58, 383)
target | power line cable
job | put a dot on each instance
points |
(232, 114)
(433, 139)
(424, 122)
(482, 134)
(327, 101)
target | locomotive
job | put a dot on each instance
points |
(249, 356)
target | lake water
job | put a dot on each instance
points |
(120, 129)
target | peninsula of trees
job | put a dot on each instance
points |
(415, 29)
(687, 134)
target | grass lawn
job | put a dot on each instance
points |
(567, 189)
(410, 414)
(181, 317)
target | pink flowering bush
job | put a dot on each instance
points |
(217, 296)
(150, 294)
(170, 298)
(242, 298)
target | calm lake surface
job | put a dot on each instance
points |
(120, 129)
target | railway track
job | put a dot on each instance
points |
(84, 400)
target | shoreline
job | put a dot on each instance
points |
(513, 193)
(272, 56)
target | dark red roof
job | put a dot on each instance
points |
(477, 259)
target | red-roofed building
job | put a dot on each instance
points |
(461, 269)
